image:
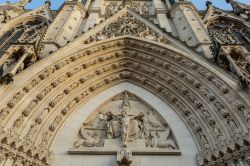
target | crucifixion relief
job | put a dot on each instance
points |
(125, 125)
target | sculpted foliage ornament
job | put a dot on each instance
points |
(125, 25)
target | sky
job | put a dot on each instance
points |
(200, 4)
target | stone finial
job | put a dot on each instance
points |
(229, 1)
(208, 3)
(48, 3)
(23, 3)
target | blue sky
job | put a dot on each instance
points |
(199, 3)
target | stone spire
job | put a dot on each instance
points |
(208, 3)
(60, 36)
(22, 3)
(193, 33)
(48, 3)
(240, 8)
(75, 0)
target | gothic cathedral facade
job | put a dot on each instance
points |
(124, 83)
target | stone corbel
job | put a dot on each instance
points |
(124, 157)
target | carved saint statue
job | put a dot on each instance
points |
(113, 126)
(143, 125)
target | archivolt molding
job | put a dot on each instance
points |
(154, 68)
(20, 151)
(91, 86)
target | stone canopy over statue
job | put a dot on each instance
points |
(125, 121)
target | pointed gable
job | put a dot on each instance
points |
(214, 13)
(127, 22)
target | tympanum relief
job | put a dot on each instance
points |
(125, 121)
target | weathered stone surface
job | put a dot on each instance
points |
(124, 83)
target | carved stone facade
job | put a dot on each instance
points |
(193, 67)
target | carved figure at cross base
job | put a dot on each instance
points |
(88, 140)
(124, 156)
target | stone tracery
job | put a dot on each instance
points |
(231, 42)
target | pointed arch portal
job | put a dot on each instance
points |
(44, 107)
(64, 138)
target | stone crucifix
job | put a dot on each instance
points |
(126, 120)
(125, 127)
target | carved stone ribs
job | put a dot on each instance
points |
(125, 121)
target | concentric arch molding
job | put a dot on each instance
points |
(69, 80)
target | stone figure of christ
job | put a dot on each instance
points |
(125, 120)
(124, 125)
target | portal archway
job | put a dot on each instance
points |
(37, 110)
